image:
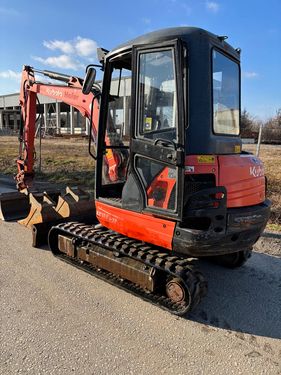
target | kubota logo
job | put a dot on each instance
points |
(54, 92)
(256, 171)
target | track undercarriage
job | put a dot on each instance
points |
(169, 281)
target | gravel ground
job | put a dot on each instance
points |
(56, 319)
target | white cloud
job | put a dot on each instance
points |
(65, 47)
(83, 47)
(10, 74)
(250, 74)
(212, 6)
(75, 53)
(62, 61)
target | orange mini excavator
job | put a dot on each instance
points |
(172, 184)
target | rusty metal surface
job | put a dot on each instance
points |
(175, 290)
(121, 266)
(66, 246)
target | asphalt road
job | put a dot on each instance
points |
(56, 319)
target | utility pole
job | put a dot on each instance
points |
(259, 141)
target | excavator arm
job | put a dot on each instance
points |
(70, 93)
(85, 99)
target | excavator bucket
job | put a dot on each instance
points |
(13, 205)
(42, 209)
(75, 204)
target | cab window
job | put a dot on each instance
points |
(157, 99)
(226, 95)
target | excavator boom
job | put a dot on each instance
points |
(71, 94)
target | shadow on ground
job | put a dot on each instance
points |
(246, 300)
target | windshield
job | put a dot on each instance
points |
(157, 94)
(226, 103)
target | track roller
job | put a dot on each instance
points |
(176, 290)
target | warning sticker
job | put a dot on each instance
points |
(237, 149)
(207, 159)
(148, 124)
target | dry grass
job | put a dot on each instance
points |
(66, 161)
(271, 157)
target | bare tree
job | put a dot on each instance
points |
(249, 125)
(272, 129)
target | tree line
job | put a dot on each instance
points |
(271, 129)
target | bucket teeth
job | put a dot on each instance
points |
(75, 205)
(76, 202)
(42, 209)
(39, 211)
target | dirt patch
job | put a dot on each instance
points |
(63, 161)
(269, 243)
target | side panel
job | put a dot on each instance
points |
(197, 164)
(136, 225)
(243, 178)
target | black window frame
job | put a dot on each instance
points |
(138, 132)
(104, 107)
(139, 143)
(181, 80)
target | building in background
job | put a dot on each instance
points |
(58, 118)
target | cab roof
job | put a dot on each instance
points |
(187, 34)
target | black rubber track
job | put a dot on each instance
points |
(177, 267)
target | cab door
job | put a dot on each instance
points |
(157, 143)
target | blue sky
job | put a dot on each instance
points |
(63, 35)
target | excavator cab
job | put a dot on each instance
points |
(172, 121)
